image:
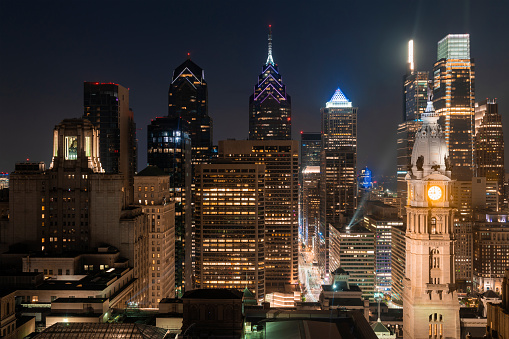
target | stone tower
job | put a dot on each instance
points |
(430, 300)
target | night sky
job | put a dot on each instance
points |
(49, 48)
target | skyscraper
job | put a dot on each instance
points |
(188, 99)
(270, 107)
(454, 98)
(281, 160)
(309, 180)
(338, 170)
(106, 106)
(415, 85)
(430, 299)
(169, 148)
(229, 226)
(489, 144)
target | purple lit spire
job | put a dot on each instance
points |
(269, 57)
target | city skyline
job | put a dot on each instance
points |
(49, 61)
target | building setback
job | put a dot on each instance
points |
(229, 226)
(270, 107)
(75, 207)
(281, 160)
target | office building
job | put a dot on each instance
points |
(152, 193)
(281, 160)
(490, 250)
(398, 262)
(430, 299)
(309, 180)
(489, 144)
(229, 226)
(188, 100)
(73, 207)
(106, 106)
(270, 107)
(415, 84)
(338, 170)
(353, 250)
(454, 98)
(380, 219)
(169, 148)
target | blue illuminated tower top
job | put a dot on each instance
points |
(270, 105)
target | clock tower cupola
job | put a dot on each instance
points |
(430, 300)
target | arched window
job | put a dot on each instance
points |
(433, 225)
(436, 330)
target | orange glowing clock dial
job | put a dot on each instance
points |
(434, 193)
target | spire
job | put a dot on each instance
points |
(269, 57)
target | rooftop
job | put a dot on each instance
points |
(213, 294)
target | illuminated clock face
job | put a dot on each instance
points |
(434, 192)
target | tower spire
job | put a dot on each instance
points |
(269, 57)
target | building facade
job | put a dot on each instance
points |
(490, 250)
(353, 249)
(152, 193)
(380, 219)
(270, 107)
(281, 160)
(229, 226)
(489, 144)
(398, 262)
(454, 99)
(74, 207)
(338, 171)
(430, 300)
(169, 148)
(309, 181)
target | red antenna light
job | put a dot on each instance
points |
(28, 159)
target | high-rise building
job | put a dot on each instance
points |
(74, 207)
(491, 250)
(398, 260)
(270, 107)
(454, 98)
(152, 193)
(380, 219)
(338, 170)
(353, 249)
(229, 226)
(430, 299)
(489, 144)
(309, 181)
(106, 106)
(281, 160)
(415, 85)
(188, 99)
(169, 148)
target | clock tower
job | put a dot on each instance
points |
(430, 301)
